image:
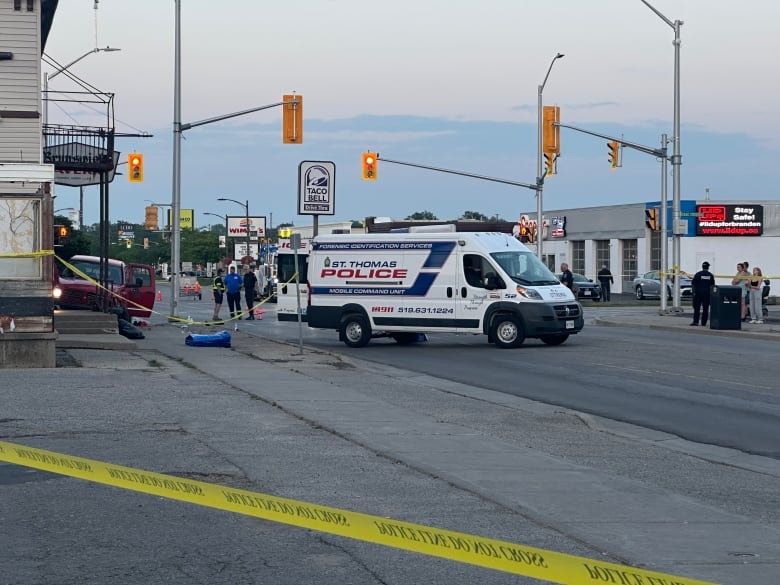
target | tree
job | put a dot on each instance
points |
(426, 215)
(475, 215)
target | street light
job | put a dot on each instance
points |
(223, 218)
(246, 210)
(47, 77)
(676, 159)
(539, 169)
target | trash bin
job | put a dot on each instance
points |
(726, 307)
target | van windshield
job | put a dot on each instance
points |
(524, 268)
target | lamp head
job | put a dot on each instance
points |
(559, 55)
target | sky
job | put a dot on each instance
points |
(451, 84)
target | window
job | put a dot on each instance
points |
(17, 5)
(602, 253)
(139, 272)
(629, 260)
(578, 256)
(477, 269)
(30, 5)
(655, 250)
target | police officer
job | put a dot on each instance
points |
(702, 284)
(219, 292)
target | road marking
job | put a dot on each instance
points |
(508, 557)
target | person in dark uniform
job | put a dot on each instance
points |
(606, 280)
(250, 290)
(567, 278)
(219, 293)
(702, 284)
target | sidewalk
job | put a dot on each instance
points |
(681, 321)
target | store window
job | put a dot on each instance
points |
(629, 261)
(655, 250)
(602, 253)
(578, 256)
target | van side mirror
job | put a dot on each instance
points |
(492, 282)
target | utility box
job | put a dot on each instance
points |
(725, 307)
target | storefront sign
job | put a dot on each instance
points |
(729, 220)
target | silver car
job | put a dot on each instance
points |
(648, 286)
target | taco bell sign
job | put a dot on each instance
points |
(316, 188)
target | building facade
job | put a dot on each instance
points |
(27, 333)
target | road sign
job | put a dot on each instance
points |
(316, 188)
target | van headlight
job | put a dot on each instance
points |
(56, 292)
(529, 293)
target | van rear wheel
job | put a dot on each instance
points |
(355, 331)
(507, 332)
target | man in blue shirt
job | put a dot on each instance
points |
(233, 284)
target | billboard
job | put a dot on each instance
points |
(186, 218)
(237, 227)
(714, 219)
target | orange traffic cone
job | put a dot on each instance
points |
(159, 295)
(258, 312)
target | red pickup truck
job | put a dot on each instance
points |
(127, 282)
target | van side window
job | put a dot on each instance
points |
(477, 269)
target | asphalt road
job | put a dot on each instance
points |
(706, 389)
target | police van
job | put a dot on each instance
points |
(402, 285)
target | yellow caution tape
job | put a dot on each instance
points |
(35, 254)
(500, 555)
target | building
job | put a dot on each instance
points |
(720, 232)
(27, 335)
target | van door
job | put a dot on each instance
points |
(475, 272)
(139, 288)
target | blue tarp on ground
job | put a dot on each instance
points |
(221, 339)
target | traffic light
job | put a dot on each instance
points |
(551, 134)
(292, 119)
(549, 164)
(135, 167)
(128, 244)
(524, 235)
(651, 219)
(146, 243)
(369, 166)
(614, 154)
(152, 219)
(61, 233)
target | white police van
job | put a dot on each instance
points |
(401, 285)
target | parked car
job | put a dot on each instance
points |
(584, 287)
(648, 286)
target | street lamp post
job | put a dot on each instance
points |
(539, 168)
(223, 218)
(47, 77)
(676, 159)
(246, 212)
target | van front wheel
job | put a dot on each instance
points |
(355, 331)
(507, 332)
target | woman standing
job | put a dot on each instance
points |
(741, 280)
(755, 286)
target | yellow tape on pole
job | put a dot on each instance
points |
(500, 555)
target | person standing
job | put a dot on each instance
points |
(250, 290)
(218, 287)
(740, 279)
(606, 280)
(755, 288)
(233, 284)
(702, 284)
(567, 278)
